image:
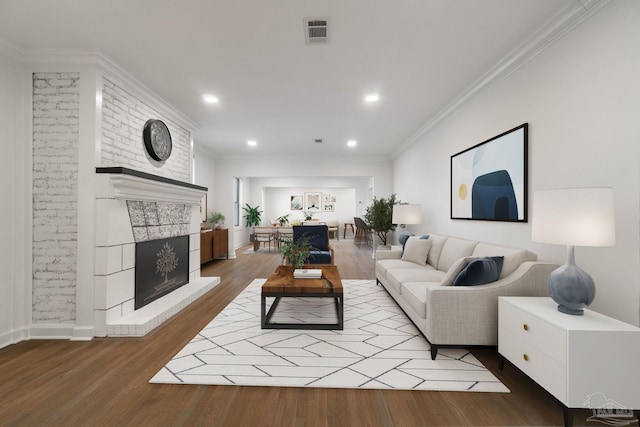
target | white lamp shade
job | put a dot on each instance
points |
(407, 214)
(574, 216)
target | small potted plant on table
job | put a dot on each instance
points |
(217, 219)
(283, 220)
(296, 252)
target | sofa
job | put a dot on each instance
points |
(420, 277)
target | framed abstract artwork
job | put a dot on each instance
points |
(489, 180)
(312, 202)
(296, 203)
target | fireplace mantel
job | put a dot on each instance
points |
(129, 184)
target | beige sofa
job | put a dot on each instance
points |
(449, 315)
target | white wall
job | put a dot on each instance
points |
(377, 170)
(13, 235)
(581, 98)
(277, 203)
(123, 116)
(204, 168)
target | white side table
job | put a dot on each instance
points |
(583, 361)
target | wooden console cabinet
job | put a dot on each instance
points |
(214, 244)
(588, 361)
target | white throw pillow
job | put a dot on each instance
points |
(416, 250)
(455, 269)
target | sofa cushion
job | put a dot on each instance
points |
(400, 276)
(383, 265)
(455, 269)
(480, 272)
(454, 249)
(415, 294)
(416, 250)
(437, 242)
(319, 257)
(513, 257)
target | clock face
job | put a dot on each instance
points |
(157, 139)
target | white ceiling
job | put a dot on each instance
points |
(419, 55)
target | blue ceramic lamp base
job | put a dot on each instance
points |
(571, 287)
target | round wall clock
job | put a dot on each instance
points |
(157, 139)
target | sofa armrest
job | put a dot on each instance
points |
(469, 314)
(388, 254)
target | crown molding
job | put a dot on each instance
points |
(562, 23)
(289, 158)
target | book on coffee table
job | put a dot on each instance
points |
(307, 273)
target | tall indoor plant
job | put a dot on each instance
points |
(379, 216)
(253, 216)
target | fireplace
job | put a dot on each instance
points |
(145, 219)
(161, 267)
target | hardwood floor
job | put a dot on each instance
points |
(105, 381)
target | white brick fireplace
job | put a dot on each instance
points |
(132, 207)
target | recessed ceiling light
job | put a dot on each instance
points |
(252, 143)
(210, 99)
(352, 143)
(372, 97)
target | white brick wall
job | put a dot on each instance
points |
(123, 119)
(56, 106)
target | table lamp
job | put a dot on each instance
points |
(406, 214)
(573, 217)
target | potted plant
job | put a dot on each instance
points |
(296, 252)
(379, 216)
(307, 215)
(283, 220)
(217, 219)
(253, 216)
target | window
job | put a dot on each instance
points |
(237, 192)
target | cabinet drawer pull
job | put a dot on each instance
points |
(525, 357)
(525, 327)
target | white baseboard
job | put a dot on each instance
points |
(13, 336)
(62, 331)
(83, 333)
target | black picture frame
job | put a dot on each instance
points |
(489, 181)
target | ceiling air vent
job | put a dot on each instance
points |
(316, 30)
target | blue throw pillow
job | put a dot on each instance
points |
(403, 237)
(480, 271)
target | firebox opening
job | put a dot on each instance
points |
(161, 266)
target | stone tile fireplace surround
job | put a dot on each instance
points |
(133, 207)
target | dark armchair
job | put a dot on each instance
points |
(318, 235)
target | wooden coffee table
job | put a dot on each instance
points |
(282, 284)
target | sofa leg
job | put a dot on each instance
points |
(434, 352)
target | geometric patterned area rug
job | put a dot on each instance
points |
(379, 348)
